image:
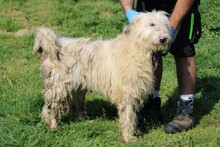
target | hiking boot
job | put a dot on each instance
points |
(150, 112)
(183, 120)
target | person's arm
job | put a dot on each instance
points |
(181, 9)
(127, 6)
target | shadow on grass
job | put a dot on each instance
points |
(101, 108)
(207, 95)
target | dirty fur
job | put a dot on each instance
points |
(120, 69)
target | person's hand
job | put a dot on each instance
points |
(172, 34)
(173, 37)
(130, 14)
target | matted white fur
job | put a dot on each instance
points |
(121, 69)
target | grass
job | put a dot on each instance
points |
(21, 86)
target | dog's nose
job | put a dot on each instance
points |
(163, 39)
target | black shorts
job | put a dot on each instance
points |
(188, 34)
(182, 45)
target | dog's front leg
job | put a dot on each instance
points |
(55, 103)
(127, 121)
(49, 115)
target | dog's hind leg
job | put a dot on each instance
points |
(76, 105)
(127, 120)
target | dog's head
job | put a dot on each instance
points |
(46, 42)
(150, 30)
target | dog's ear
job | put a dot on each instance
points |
(127, 29)
(132, 25)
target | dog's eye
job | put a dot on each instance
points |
(152, 24)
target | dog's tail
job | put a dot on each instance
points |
(47, 41)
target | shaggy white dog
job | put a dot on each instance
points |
(121, 69)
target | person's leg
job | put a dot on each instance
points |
(150, 111)
(183, 50)
(186, 75)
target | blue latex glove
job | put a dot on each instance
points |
(173, 37)
(172, 34)
(130, 14)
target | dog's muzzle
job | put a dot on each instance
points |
(163, 39)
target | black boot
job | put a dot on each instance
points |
(150, 112)
(183, 120)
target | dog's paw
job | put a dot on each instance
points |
(130, 139)
(53, 124)
(79, 116)
(82, 117)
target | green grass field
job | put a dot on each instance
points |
(21, 87)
